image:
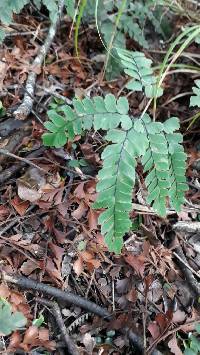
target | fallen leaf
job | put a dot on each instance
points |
(89, 153)
(3, 70)
(4, 212)
(80, 211)
(89, 343)
(31, 335)
(28, 267)
(15, 340)
(137, 262)
(173, 346)
(28, 194)
(79, 191)
(19, 205)
(43, 334)
(132, 295)
(78, 266)
(178, 316)
(4, 291)
(92, 219)
(154, 329)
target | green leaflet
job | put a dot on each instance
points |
(195, 99)
(10, 321)
(137, 66)
(177, 167)
(116, 181)
(155, 162)
(99, 113)
(8, 7)
(156, 144)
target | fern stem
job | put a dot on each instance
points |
(112, 38)
(78, 22)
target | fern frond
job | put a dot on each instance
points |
(139, 68)
(8, 7)
(195, 99)
(99, 113)
(155, 161)
(116, 181)
(129, 25)
(177, 163)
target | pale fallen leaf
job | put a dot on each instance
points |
(78, 266)
(173, 346)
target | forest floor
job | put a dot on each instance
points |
(145, 300)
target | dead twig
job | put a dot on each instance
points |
(26, 283)
(11, 155)
(187, 226)
(7, 173)
(71, 347)
(89, 306)
(26, 106)
(185, 268)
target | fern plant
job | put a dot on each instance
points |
(137, 66)
(156, 145)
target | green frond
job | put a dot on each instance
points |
(137, 66)
(155, 162)
(100, 113)
(164, 161)
(8, 7)
(195, 99)
(156, 144)
(177, 163)
(128, 25)
(116, 181)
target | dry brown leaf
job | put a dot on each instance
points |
(79, 191)
(15, 340)
(179, 316)
(89, 343)
(78, 266)
(3, 71)
(89, 153)
(28, 267)
(173, 346)
(92, 219)
(19, 205)
(80, 211)
(31, 335)
(4, 212)
(4, 291)
(28, 194)
(43, 334)
(30, 183)
(137, 262)
(154, 329)
(132, 295)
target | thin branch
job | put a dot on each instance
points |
(185, 268)
(59, 294)
(7, 173)
(26, 106)
(11, 155)
(71, 347)
(89, 306)
(187, 226)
